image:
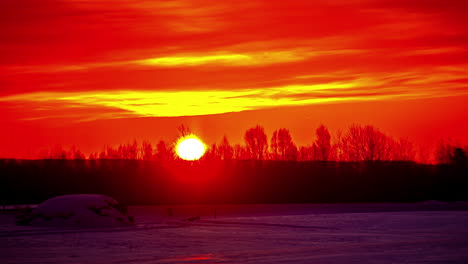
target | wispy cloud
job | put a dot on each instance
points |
(183, 57)
(224, 59)
(408, 85)
(227, 59)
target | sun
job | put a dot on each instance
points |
(190, 148)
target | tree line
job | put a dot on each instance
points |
(357, 143)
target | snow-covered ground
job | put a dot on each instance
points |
(77, 210)
(376, 233)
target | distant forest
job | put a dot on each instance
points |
(360, 165)
(150, 182)
(357, 143)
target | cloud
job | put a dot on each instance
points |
(227, 59)
(145, 57)
(347, 87)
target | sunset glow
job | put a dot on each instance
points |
(223, 66)
(190, 148)
(196, 125)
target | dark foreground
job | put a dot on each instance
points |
(430, 232)
(139, 182)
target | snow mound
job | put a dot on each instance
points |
(78, 210)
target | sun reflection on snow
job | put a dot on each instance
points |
(200, 258)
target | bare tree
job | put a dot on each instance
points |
(366, 144)
(240, 152)
(122, 152)
(132, 150)
(338, 146)
(424, 154)
(292, 153)
(76, 154)
(350, 144)
(112, 153)
(305, 153)
(322, 149)
(58, 153)
(274, 149)
(147, 150)
(103, 155)
(444, 152)
(459, 156)
(404, 150)
(184, 130)
(212, 153)
(225, 149)
(282, 146)
(163, 152)
(256, 142)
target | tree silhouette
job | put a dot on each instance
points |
(121, 152)
(126, 152)
(305, 153)
(459, 156)
(212, 153)
(184, 130)
(292, 152)
(351, 144)
(130, 151)
(274, 149)
(103, 155)
(282, 146)
(322, 145)
(163, 152)
(256, 142)
(365, 143)
(147, 151)
(76, 154)
(240, 152)
(444, 151)
(358, 143)
(112, 153)
(58, 153)
(403, 150)
(92, 156)
(339, 146)
(226, 151)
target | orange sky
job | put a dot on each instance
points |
(90, 73)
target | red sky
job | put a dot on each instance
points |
(91, 73)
